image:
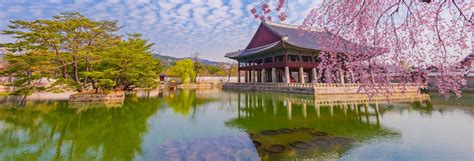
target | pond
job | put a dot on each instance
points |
(230, 125)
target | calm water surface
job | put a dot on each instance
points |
(225, 125)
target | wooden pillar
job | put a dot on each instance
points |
(264, 76)
(314, 74)
(301, 75)
(274, 77)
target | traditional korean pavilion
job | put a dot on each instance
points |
(279, 51)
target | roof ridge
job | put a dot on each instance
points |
(285, 25)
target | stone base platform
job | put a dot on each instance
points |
(323, 88)
(116, 96)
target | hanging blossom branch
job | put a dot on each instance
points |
(393, 40)
(263, 10)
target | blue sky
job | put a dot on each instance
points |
(177, 27)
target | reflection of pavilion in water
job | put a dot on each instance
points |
(360, 104)
(351, 116)
(326, 112)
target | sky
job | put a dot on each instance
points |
(178, 28)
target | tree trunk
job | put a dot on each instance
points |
(127, 86)
(88, 67)
(29, 78)
(76, 73)
(63, 63)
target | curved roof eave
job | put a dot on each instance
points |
(254, 51)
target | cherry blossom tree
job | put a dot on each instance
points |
(401, 39)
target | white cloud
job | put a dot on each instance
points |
(215, 3)
(113, 1)
(54, 1)
(178, 27)
(14, 9)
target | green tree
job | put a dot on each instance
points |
(129, 65)
(213, 69)
(71, 38)
(30, 70)
(78, 53)
(200, 68)
(184, 69)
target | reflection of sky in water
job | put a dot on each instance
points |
(439, 136)
(404, 131)
(206, 123)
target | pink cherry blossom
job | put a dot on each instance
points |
(393, 41)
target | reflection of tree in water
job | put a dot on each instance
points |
(183, 101)
(54, 131)
(258, 112)
(466, 103)
(425, 107)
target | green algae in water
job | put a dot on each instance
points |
(298, 142)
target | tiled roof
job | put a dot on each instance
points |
(307, 39)
(243, 53)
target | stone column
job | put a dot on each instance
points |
(246, 76)
(290, 109)
(301, 75)
(352, 77)
(341, 73)
(317, 109)
(264, 75)
(238, 76)
(305, 114)
(238, 105)
(314, 74)
(287, 74)
(252, 76)
(274, 77)
(274, 106)
(331, 110)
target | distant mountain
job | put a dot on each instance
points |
(171, 60)
(164, 58)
